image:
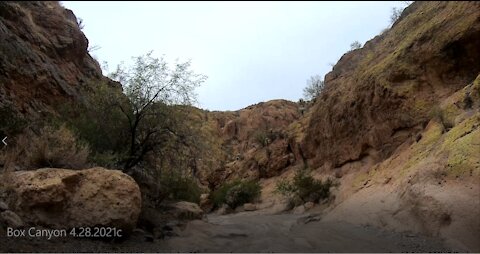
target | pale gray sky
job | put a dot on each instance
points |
(250, 51)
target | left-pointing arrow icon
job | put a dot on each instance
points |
(3, 141)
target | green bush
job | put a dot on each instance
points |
(236, 193)
(262, 138)
(438, 114)
(100, 124)
(305, 188)
(106, 159)
(176, 186)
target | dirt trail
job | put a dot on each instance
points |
(249, 232)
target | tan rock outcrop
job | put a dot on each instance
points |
(309, 205)
(249, 207)
(253, 141)
(63, 198)
(45, 58)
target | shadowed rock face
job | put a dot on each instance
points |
(378, 96)
(43, 57)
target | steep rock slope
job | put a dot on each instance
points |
(378, 96)
(43, 57)
(254, 142)
(431, 184)
(399, 124)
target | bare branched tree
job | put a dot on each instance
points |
(395, 15)
(314, 87)
(80, 23)
(355, 45)
(151, 86)
(397, 11)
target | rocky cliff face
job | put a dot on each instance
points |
(43, 57)
(399, 124)
(376, 99)
(254, 142)
(379, 96)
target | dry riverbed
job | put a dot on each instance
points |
(247, 232)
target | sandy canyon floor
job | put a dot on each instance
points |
(248, 232)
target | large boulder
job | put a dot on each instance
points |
(224, 209)
(63, 198)
(249, 207)
(299, 209)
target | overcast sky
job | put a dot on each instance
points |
(250, 51)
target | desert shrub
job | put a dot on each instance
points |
(236, 193)
(261, 137)
(304, 187)
(100, 124)
(467, 102)
(264, 138)
(107, 159)
(437, 114)
(314, 88)
(101, 133)
(396, 12)
(10, 122)
(176, 186)
(52, 147)
(104, 138)
(355, 45)
(14, 153)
